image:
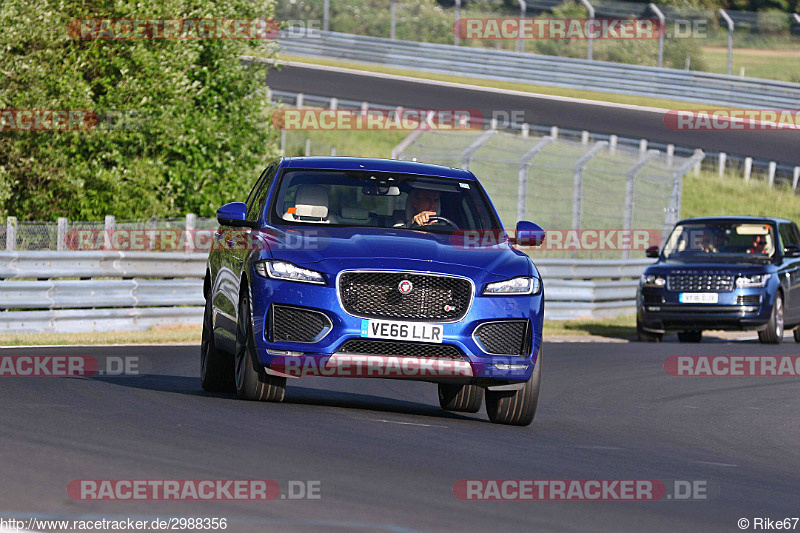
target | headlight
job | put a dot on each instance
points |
(289, 272)
(514, 287)
(653, 280)
(756, 280)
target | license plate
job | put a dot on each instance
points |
(698, 297)
(401, 331)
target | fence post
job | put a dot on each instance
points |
(722, 158)
(61, 236)
(523, 8)
(662, 21)
(748, 168)
(456, 40)
(630, 179)
(191, 226)
(590, 8)
(283, 142)
(522, 182)
(670, 154)
(398, 150)
(11, 234)
(729, 22)
(577, 184)
(110, 224)
(674, 209)
(308, 147)
(795, 177)
(333, 151)
(467, 154)
(772, 167)
(326, 15)
(393, 21)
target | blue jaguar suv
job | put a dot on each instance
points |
(374, 268)
(730, 273)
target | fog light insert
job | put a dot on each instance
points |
(510, 367)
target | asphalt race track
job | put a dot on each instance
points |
(387, 458)
(778, 146)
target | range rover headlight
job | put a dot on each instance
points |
(756, 280)
(289, 272)
(514, 287)
(653, 280)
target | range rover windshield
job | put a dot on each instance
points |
(726, 242)
(383, 200)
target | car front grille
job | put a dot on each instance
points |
(400, 348)
(700, 282)
(432, 297)
(748, 299)
(507, 337)
(294, 324)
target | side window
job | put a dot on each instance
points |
(796, 234)
(787, 234)
(255, 201)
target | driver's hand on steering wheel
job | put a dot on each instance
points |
(422, 219)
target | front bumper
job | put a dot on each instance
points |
(319, 357)
(658, 310)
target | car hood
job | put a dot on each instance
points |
(670, 267)
(340, 248)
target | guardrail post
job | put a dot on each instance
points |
(110, 224)
(467, 154)
(722, 158)
(748, 168)
(630, 179)
(522, 182)
(554, 132)
(772, 167)
(643, 146)
(523, 8)
(729, 22)
(308, 147)
(334, 104)
(670, 154)
(392, 21)
(283, 142)
(364, 108)
(11, 234)
(589, 40)
(526, 131)
(456, 40)
(662, 21)
(796, 175)
(61, 235)
(584, 137)
(191, 226)
(333, 151)
(298, 102)
(577, 184)
(612, 144)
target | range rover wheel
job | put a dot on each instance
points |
(773, 333)
(516, 408)
(796, 333)
(690, 336)
(646, 336)
(216, 367)
(460, 398)
(252, 383)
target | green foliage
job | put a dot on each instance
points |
(196, 133)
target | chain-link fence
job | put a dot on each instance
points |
(93, 235)
(592, 197)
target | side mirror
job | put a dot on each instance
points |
(528, 234)
(651, 251)
(791, 250)
(234, 214)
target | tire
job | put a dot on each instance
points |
(252, 383)
(796, 333)
(516, 408)
(647, 336)
(460, 398)
(690, 336)
(773, 333)
(216, 367)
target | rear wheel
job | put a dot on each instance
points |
(461, 398)
(647, 336)
(216, 367)
(796, 333)
(516, 408)
(690, 336)
(252, 383)
(773, 333)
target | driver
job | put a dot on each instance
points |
(759, 245)
(422, 205)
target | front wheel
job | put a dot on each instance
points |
(773, 333)
(460, 398)
(796, 333)
(646, 336)
(252, 383)
(216, 367)
(690, 336)
(516, 408)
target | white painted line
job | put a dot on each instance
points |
(406, 423)
(592, 447)
(691, 407)
(454, 85)
(714, 464)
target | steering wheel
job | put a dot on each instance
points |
(434, 219)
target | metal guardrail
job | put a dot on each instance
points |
(574, 73)
(34, 300)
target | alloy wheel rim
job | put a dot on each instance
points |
(241, 345)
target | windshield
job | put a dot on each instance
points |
(721, 242)
(383, 200)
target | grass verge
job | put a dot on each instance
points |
(155, 335)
